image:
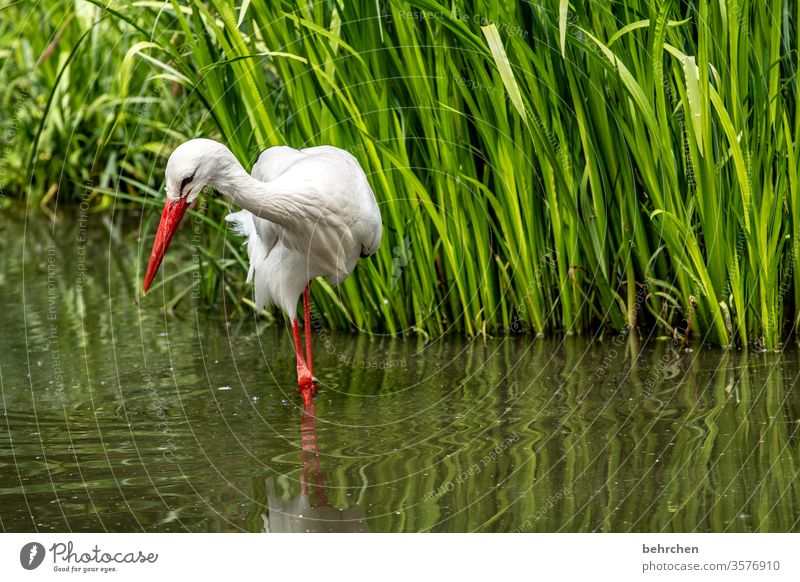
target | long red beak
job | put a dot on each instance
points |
(170, 219)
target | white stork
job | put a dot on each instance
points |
(306, 213)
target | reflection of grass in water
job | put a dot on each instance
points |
(711, 446)
(697, 461)
(689, 458)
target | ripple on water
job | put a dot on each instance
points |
(127, 419)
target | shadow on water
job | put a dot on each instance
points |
(115, 416)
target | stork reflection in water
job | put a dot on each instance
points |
(311, 511)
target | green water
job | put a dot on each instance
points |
(116, 416)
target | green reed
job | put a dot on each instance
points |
(540, 167)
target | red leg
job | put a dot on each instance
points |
(304, 381)
(307, 325)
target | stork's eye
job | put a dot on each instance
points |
(186, 181)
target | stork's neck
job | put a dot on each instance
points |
(233, 181)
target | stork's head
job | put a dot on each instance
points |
(192, 166)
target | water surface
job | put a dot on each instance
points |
(119, 416)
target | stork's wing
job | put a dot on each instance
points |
(275, 161)
(320, 206)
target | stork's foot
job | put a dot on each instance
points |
(307, 384)
(307, 393)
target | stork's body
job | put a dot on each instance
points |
(306, 213)
(343, 225)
